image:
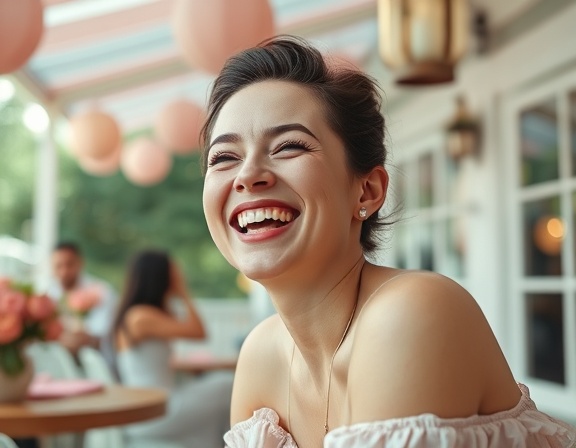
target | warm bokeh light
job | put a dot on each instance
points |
(36, 118)
(555, 228)
(548, 235)
(7, 90)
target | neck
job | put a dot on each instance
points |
(316, 315)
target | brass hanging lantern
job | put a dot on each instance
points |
(462, 132)
(422, 39)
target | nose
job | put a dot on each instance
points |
(253, 176)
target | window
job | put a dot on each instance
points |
(541, 152)
(432, 232)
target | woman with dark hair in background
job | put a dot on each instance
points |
(198, 407)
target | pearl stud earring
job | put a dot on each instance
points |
(362, 213)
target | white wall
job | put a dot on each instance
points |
(227, 321)
(485, 81)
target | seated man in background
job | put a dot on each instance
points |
(87, 303)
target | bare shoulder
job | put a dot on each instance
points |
(262, 342)
(149, 322)
(260, 366)
(413, 292)
(423, 345)
(141, 315)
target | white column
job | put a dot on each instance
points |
(45, 217)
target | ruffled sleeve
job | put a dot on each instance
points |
(262, 430)
(521, 427)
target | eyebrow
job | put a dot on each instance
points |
(270, 132)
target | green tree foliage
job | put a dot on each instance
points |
(17, 167)
(111, 218)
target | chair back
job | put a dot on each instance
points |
(95, 365)
(54, 359)
(96, 368)
(7, 442)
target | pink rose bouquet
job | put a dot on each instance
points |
(80, 301)
(24, 316)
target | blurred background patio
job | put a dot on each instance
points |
(482, 143)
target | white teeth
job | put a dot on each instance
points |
(260, 214)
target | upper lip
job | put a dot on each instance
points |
(262, 203)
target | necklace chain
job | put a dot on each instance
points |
(344, 334)
(332, 364)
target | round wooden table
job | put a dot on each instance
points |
(114, 406)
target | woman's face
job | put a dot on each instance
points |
(278, 192)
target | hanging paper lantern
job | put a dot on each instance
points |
(340, 61)
(101, 167)
(209, 32)
(178, 126)
(21, 28)
(144, 162)
(94, 135)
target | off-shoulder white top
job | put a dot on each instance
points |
(520, 427)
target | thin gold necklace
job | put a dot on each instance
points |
(326, 428)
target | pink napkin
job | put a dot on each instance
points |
(43, 386)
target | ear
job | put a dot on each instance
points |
(373, 191)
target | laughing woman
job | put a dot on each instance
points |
(358, 355)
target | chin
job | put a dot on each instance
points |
(261, 269)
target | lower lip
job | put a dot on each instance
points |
(262, 236)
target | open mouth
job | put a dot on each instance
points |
(263, 219)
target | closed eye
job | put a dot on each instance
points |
(220, 157)
(293, 145)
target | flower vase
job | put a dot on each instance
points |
(14, 386)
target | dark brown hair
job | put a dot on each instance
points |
(351, 100)
(147, 282)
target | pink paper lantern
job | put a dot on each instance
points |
(21, 28)
(94, 135)
(340, 61)
(101, 167)
(144, 162)
(178, 126)
(209, 32)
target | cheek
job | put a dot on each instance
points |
(214, 201)
(210, 202)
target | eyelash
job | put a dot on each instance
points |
(298, 144)
(223, 156)
(220, 156)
